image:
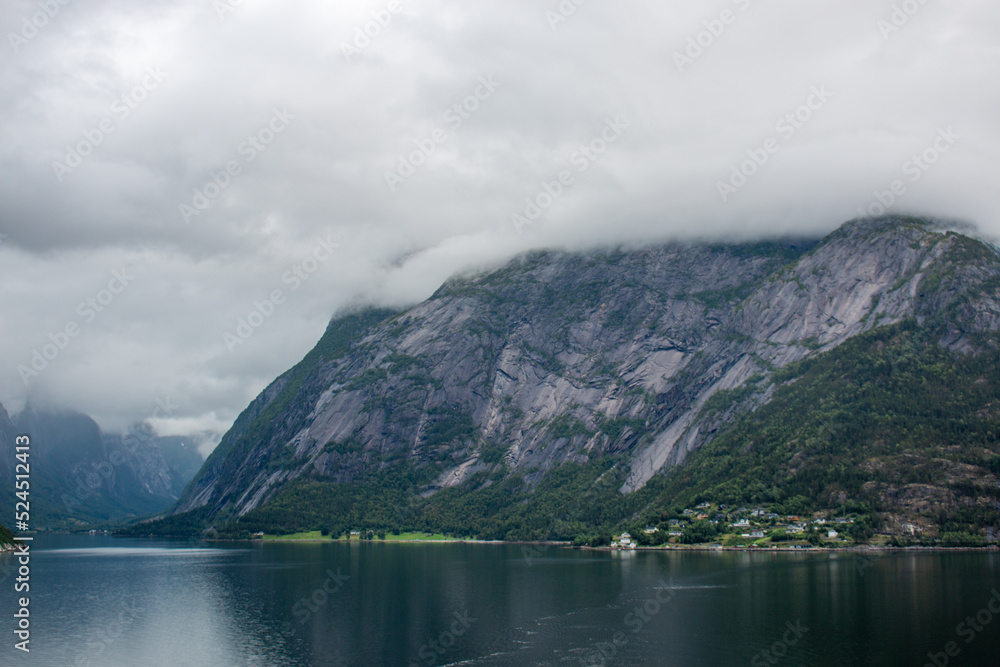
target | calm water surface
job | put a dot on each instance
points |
(112, 602)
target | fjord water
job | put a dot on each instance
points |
(116, 602)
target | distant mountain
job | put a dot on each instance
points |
(566, 392)
(7, 435)
(181, 456)
(82, 477)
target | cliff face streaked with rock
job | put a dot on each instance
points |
(561, 357)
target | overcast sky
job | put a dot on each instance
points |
(205, 151)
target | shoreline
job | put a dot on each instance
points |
(698, 548)
(4, 548)
(864, 547)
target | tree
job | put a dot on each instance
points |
(699, 532)
(860, 531)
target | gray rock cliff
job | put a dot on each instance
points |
(560, 357)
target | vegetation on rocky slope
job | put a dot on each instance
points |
(890, 424)
(856, 379)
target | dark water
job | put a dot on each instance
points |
(109, 602)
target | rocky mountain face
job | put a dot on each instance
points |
(181, 455)
(563, 358)
(81, 476)
(7, 462)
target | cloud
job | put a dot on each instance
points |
(151, 108)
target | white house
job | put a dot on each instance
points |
(625, 542)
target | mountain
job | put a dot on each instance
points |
(7, 462)
(82, 477)
(566, 392)
(8, 433)
(181, 456)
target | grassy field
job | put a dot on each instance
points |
(311, 535)
(417, 537)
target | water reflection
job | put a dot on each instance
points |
(99, 601)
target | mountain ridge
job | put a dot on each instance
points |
(82, 477)
(564, 358)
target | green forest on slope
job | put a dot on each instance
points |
(887, 411)
(569, 502)
(252, 427)
(888, 424)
